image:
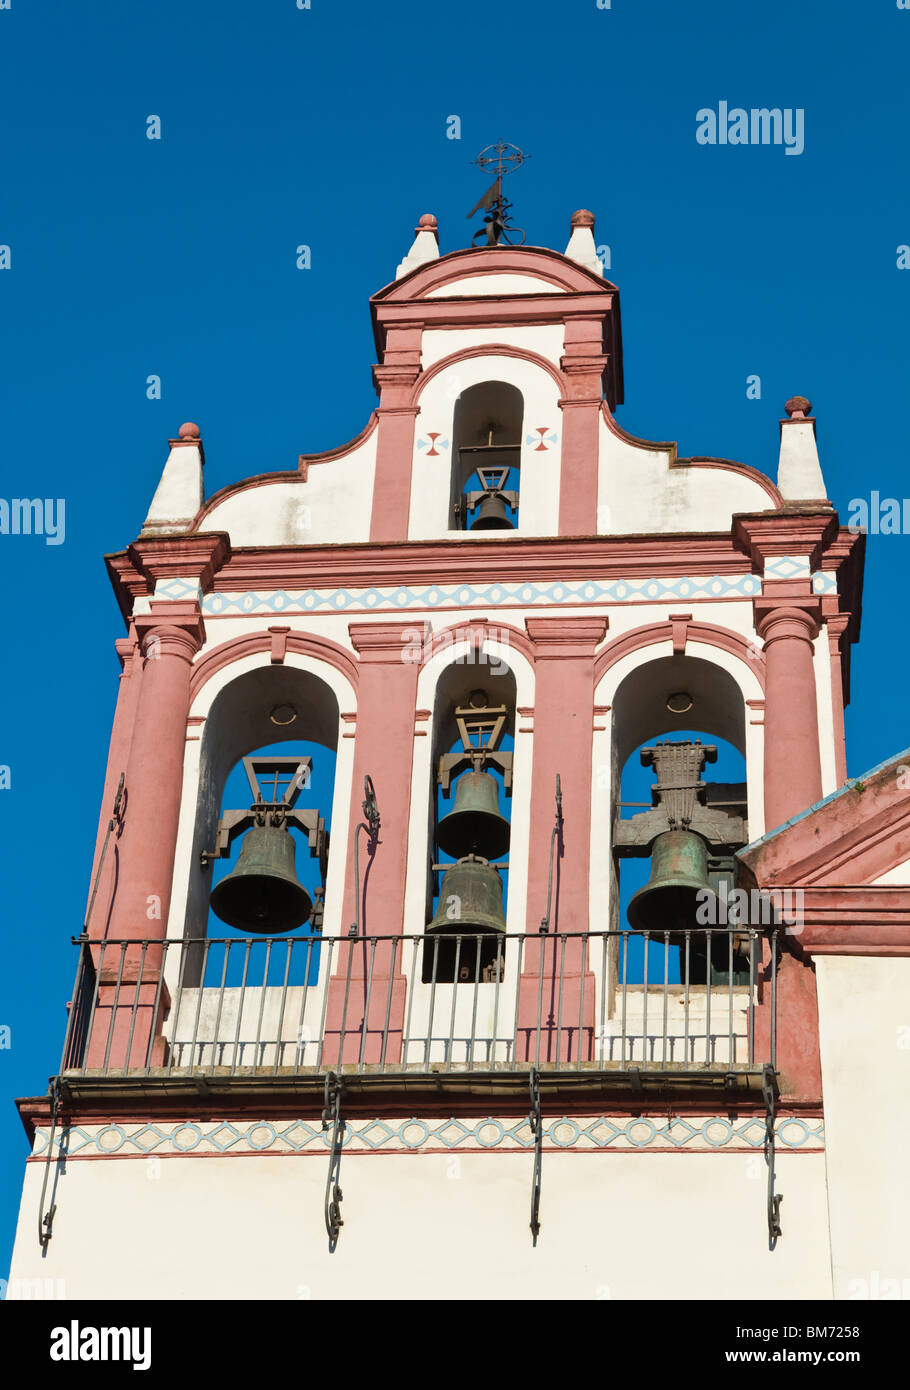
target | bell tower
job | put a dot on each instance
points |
(432, 869)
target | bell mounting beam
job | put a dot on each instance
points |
(331, 1116)
(480, 726)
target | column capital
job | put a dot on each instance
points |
(174, 627)
(765, 534)
(785, 614)
(565, 638)
(387, 643)
(169, 557)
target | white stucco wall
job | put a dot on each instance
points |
(333, 504)
(864, 1029)
(639, 493)
(615, 1225)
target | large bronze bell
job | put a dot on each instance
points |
(470, 902)
(475, 824)
(492, 515)
(679, 872)
(262, 893)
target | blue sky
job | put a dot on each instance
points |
(327, 127)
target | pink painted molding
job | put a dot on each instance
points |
(709, 633)
(475, 631)
(306, 643)
(484, 350)
(764, 534)
(848, 840)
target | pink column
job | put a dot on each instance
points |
(836, 624)
(397, 414)
(793, 782)
(555, 970)
(792, 766)
(582, 365)
(390, 654)
(118, 755)
(170, 636)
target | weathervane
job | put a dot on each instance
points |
(504, 159)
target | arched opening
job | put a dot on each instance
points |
(680, 813)
(469, 821)
(267, 764)
(486, 458)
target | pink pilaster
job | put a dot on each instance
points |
(553, 970)
(397, 413)
(169, 638)
(583, 365)
(368, 974)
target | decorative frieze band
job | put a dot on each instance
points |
(526, 593)
(705, 1134)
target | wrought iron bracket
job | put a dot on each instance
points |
(555, 838)
(370, 825)
(331, 1116)
(536, 1123)
(769, 1095)
(46, 1218)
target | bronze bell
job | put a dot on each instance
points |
(262, 893)
(475, 824)
(679, 872)
(491, 515)
(470, 899)
(470, 902)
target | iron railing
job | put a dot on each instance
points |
(683, 1004)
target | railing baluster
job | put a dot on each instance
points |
(262, 994)
(732, 1053)
(581, 999)
(137, 995)
(157, 1004)
(752, 988)
(450, 1048)
(625, 985)
(709, 957)
(562, 980)
(412, 990)
(603, 998)
(201, 989)
(217, 1029)
(366, 1006)
(327, 980)
(246, 964)
(666, 994)
(469, 1060)
(644, 1019)
(429, 1038)
(388, 1004)
(112, 1024)
(688, 941)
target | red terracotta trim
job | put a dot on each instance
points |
(538, 261)
(550, 558)
(303, 642)
(474, 631)
(579, 1149)
(730, 466)
(762, 535)
(856, 920)
(484, 350)
(708, 633)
